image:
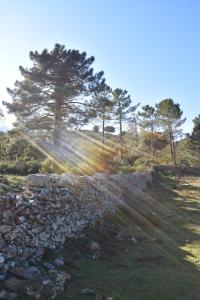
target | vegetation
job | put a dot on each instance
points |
(60, 94)
(169, 117)
(48, 97)
(157, 259)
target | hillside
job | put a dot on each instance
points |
(149, 250)
(159, 261)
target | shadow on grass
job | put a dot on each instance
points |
(157, 256)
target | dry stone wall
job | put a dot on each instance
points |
(54, 208)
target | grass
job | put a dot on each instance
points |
(158, 257)
(9, 183)
(161, 263)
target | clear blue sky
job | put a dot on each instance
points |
(149, 47)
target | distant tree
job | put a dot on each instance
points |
(1, 114)
(193, 140)
(55, 92)
(148, 117)
(169, 118)
(133, 122)
(110, 129)
(122, 102)
(153, 142)
(196, 129)
(103, 105)
(96, 128)
(148, 121)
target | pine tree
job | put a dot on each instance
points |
(169, 118)
(148, 121)
(55, 92)
(122, 101)
(103, 105)
(194, 140)
(148, 117)
(1, 114)
(196, 129)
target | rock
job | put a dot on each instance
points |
(14, 284)
(3, 295)
(59, 261)
(98, 297)
(2, 244)
(11, 251)
(48, 266)
(96, 255)
(68, 276)
(18, 271)
(5, 228)
(2, 276)
(7, 214)
(11, 196)
(32, 273)
(133, 239)
(87, 292)
(94, 246)
(2, 259)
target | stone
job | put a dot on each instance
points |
(68, 276)
(2, 259)
(18, 271)
(11, 251)
(2, 276)
(98, 297)
(59, 261)
(5, 228)
(2, 244)
(3, 295)
(87, 292)
(7, 214)
(48, 266)
(32, 273)
(94, 246)
(54, 208)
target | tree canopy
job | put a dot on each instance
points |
(55, 92)
(169, 116)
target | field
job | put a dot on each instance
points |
(159, 261)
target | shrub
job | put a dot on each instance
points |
(96, 128)
(50, 166)
(20, 168)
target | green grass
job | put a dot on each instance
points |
(9, 183)
(164, 263)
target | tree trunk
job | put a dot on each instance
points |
(121, 138)
(103, 130)
(57, 124)
(174, 150)
(171, 147)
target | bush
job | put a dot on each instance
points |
(50, 166)
(96, 128)
(109, 129)
(20, 168)
(126, 169)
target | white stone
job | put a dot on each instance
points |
(2, 259)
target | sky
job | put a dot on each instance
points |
(149, 47)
